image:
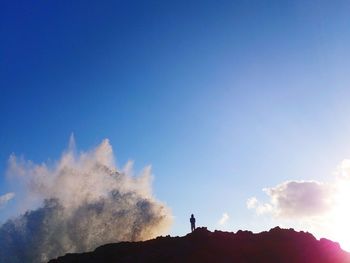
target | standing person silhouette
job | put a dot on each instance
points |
(193, 223)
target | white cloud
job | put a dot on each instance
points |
(318, 207)
(224, 218)
(252, 202)
(295, 199)
(343, 169)
(5, 198)
(300, 198)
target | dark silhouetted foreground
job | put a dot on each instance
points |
(277, 245)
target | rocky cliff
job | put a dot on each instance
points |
(276, 245)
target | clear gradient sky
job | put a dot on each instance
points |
(222, 98)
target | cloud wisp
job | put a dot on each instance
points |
(4, 199)
(80, 202)
(224, 218)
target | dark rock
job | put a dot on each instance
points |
(276, 245)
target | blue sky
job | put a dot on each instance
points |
(223, 98)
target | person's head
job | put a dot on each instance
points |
(192, 215)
